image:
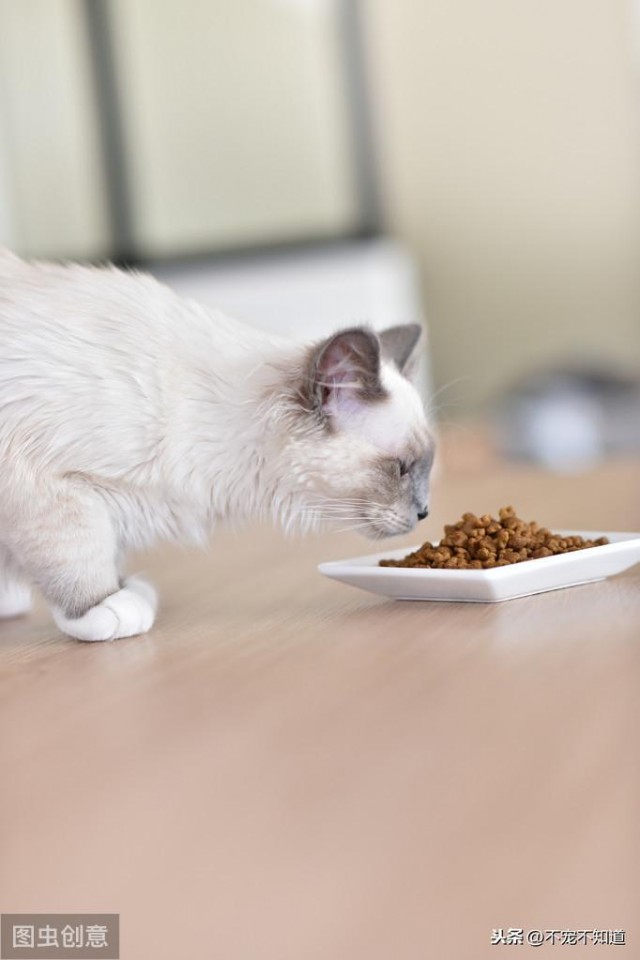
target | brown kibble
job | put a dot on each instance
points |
(517, 541)
(456, 539)
(488, 543)
(476, 543)
(510, 556)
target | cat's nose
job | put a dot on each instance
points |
(423, 513)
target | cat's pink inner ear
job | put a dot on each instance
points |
(348, 367)
(339, 363)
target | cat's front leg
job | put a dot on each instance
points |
(69, 550)
(15, 592)
(126, 612)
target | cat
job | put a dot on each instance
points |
(130, 415)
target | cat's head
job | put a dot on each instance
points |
(360, 451)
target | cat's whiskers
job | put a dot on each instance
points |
(430, 408)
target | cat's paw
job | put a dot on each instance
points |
(14, 601)
(126, 613)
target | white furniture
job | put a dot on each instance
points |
(308, 293)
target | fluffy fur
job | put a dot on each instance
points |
(129, 415)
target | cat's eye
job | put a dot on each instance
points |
(403, 467)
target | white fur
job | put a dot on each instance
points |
(15, 600)
(390, 426)
(129, 611)
(128, 415)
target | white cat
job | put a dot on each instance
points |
(129, 415)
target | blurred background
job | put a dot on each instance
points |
(312, 163)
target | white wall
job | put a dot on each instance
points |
(508, 133)
(236, 118)
(51, 193)
(234, 112)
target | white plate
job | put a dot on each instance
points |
(489, 586)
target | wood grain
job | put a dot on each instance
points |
(286, 768)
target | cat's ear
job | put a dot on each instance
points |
(400, 345)
(345, 371)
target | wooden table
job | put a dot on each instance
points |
(286, 768)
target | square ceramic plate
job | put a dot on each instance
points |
(489, 586)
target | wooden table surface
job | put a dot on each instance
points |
(287, 768)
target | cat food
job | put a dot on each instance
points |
(479, 543)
